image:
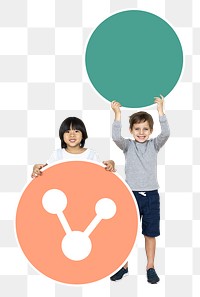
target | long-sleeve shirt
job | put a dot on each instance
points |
(141, 158)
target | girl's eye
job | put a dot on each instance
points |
(77, 131)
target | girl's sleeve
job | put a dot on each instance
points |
(92, 155)
(160, 140)
(52, 158)
(96, 157)
(121, 142)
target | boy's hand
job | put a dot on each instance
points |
(110, 165)
(36, 170)
(160, 104)
(116, 108)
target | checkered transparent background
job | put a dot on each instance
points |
(42, 81)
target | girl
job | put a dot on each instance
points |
(72, 134)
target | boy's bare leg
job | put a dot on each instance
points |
(126, 265)
(150, 247)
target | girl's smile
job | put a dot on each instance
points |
(72, 138)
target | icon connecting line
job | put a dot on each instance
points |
(76, 245)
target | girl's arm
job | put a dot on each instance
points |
(110, 165)
(37, 167)
(37, 170)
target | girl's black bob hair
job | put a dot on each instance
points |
(75, 124)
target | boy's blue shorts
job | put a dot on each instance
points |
(149, 208)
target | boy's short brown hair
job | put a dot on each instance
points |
(141, 117)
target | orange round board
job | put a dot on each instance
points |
(40, 233)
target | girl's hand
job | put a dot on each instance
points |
(36, 170)
(160, 104)
(110, 165)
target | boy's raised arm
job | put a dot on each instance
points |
(160, 104)
(121, 142)
(116, 108)
(165, 131)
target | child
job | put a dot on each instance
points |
(141, 175)
(72, 134)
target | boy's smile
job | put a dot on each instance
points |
(141, 131)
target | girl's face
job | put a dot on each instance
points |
(141, 131)
(72, 138)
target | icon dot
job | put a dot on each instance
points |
(76, 245)
(54, 201)
(105, 208)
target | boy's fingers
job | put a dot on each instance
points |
(115, 103)
(158, 100)
(161, 96)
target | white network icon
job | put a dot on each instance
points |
(76, 245)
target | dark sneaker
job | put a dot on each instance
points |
(152, 276)
(120, 274)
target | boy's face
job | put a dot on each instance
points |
(141, 131)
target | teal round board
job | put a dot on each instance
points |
(133, 56)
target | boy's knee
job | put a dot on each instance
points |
(149, 237)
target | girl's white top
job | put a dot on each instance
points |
(62, 154)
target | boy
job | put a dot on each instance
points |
(141, 175)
